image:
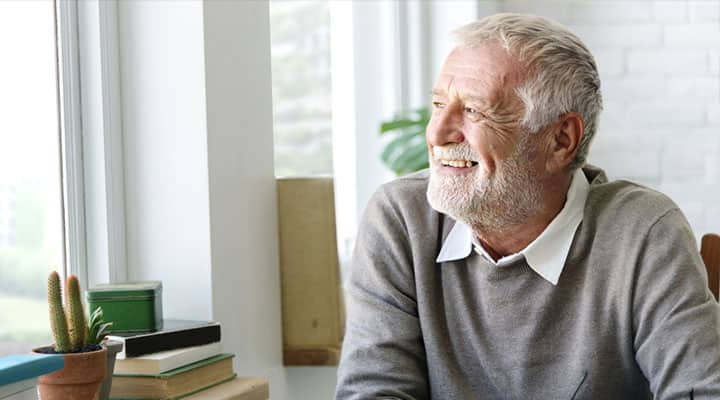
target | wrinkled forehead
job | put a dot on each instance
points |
(488, 71)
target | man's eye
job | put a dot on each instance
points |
(437, 104)
(474, 114)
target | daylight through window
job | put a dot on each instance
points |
(31, 239)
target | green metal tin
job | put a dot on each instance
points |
(130, 306)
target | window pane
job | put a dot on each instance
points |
(30, 205)
(300, 37)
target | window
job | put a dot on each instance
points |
(300, 39)
(323, 108)
(31, 224)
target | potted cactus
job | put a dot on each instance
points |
(79, 340)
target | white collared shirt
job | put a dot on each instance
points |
(547, 253)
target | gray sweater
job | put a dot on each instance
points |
(630, 318)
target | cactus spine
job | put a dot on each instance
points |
(69, 327)
(75, 313)
(58, 323)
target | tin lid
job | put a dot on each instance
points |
(124, 289)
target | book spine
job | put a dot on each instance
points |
(32, 367)
(137, 346)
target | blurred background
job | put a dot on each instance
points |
(340, 69)
(31, 212)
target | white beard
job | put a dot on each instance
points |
(487, 202)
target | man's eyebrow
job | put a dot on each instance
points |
(466, 98)
(477, 100)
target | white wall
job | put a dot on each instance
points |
(199, 179)
(660, 68)
(371, 84)
(165, 147)
(446, 17)
(243, 221)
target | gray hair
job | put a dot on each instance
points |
(561, 72)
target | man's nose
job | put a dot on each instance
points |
(445, 127)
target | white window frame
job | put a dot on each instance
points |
(363, 93)
(70, 140)
(91, 117)
(94, 199)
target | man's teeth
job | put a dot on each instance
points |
(457, 163)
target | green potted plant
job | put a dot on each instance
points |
(79, 341)
(406, 150)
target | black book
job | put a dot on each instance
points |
(174, 334)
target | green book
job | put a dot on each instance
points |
(174, 384)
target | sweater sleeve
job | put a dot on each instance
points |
(675, 317)
(382, 355)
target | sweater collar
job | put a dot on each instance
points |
(546, 254)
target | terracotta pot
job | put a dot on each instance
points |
(80, 379)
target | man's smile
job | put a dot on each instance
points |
(449, 166)
(458, 163)
(456, 167)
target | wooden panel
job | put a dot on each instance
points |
(307, 356)
(312, 309)
(710, 251)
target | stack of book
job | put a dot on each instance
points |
(183, 360)
(19, 374)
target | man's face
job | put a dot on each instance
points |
(484, 167)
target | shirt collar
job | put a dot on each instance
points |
(546, 254)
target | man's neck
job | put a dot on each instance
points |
(512, 238)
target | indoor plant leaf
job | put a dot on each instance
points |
(406, 151)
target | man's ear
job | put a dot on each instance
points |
(565, 141)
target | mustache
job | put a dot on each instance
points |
(455, 151)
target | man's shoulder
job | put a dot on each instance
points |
(404, 196)
(407, 188)
(630, 200)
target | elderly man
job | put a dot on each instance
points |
(512, 270)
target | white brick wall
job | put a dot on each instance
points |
(555, 9)
(714, 58)
(714, 115)
(611, 12)
(670, 11)
(704, 11)
(660, 67)
(629, 35)
(703, 35)
(612, 61)
(665, 61)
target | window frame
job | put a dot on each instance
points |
(91, 140)
(70, 141)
